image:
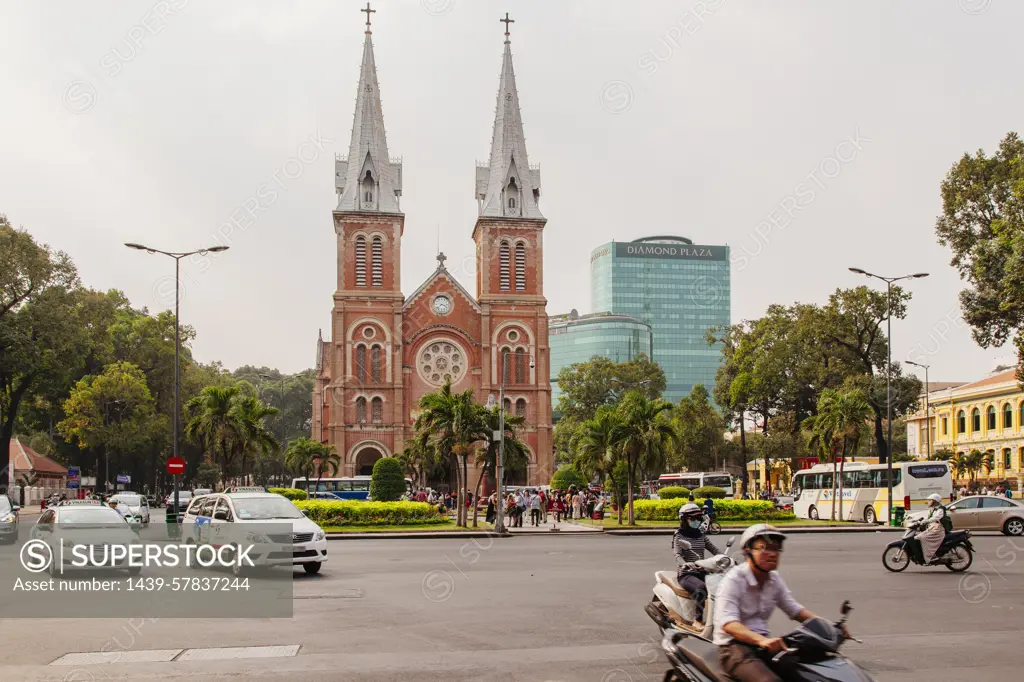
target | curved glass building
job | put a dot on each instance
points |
(680, 289)
(577, 338)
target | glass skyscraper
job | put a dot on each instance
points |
(680, 289)
(577, 338)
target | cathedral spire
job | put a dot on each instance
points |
(367, 179)
(507, 186)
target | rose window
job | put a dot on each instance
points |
(442, 361)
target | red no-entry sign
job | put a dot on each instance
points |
(175, 466)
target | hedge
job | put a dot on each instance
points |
(726, 510)
(672, 492)
(387, 484)
(711, 491)
(566, 476)
(290, 493)
(359, 513)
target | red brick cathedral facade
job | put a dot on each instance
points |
(386, 349)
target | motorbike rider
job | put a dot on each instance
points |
(933, 530)
(709, 508)
(745, 600)
(689, 543)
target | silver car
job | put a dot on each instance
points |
(987, 512)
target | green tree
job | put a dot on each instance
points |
(387, 484)
(112, 413)
(566, 476)
(516, 456)
(255, 438)
(419, 460)
(643, 432)
(982, 223)
(596, 449)
(299, 457)
(840, 422)
(453, 423)
(700, 430)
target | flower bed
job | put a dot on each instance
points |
(726, 510)
(358, 513)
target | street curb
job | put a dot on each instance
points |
(810, 530)
(414, 535)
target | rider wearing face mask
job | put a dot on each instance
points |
(932, 530)
(689, 544)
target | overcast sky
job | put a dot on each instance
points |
(808, 136)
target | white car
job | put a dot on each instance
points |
(132, 504)
(305, 546)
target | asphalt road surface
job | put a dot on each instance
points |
(548, 608)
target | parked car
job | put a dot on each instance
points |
(983, 512)
(8, 521)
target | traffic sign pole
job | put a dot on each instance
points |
(175, 467)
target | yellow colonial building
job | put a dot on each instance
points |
(986, 415)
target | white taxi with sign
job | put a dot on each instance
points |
(305, 545)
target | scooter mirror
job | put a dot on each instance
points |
(729, 542)
(846, 608)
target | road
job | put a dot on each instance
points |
(550, 608)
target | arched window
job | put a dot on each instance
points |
(520, 267)
(360, 410)
(1007, 416)
(521, 407)
(504, 255)
(990, 413)
(521, 361)
(511, 202)
(377, 255)
(507, 405)
(360, 261)
(377, 410)
(361, 364)
(961, 422)
(1007, 459)
(376, 375)
(506, 359)
(975, 420)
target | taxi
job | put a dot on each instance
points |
(252, 507)
(83, 522)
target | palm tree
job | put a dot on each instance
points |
(595, 447)
(328, 458)
(843, 413)
(516, 454)
(453, 423)
(254, 436)
(214, 424)
(822, 440)
(299, 456)
(958, 465)
(978, 461)
(643, 430)
(26, 480)
(419, 460)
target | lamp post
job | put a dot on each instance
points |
(177, 256)
(888, 368)
(499, 519)
(927, 406)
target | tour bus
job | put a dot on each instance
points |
(865, 494)
(692, 480)
(344, 488)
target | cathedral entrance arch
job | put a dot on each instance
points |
(366, 457)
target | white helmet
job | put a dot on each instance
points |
(760, 530)
(936, 498)
(690, 509)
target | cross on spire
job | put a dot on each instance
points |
(505, 21)
(368, 12)
(441, 258)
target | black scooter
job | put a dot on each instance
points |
(955, 553)
(811, 655)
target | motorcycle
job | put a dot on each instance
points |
(811, 654)
(673, 608)
(955, 553)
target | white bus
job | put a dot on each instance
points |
(691, 480)
(343, 488)
(865, 494)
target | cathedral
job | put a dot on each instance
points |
(387, 350)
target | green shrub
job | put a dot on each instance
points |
(672, 492)
(726, 510)
(290, 493)
(568, 475)
(706, 491)
(387, 483)
(359, 513)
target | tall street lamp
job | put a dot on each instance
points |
(499, 519)
(177, 328)
(927, 406)
(888, 368)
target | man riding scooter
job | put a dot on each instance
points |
(745, 600)
(689, 543)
